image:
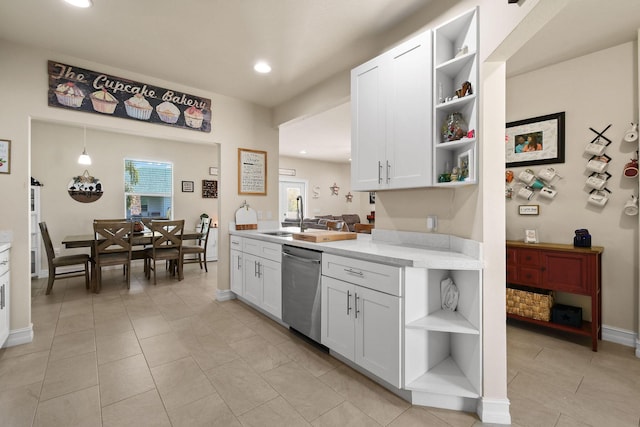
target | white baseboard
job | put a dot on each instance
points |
(20, 336)
(494, 411)
(225, 295)
(620, 336)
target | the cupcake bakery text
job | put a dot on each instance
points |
(79, 89)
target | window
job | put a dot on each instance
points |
(148, 189)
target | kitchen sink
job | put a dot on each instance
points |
(278, 233)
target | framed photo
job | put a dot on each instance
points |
(530, 236)
(466, 165)
(187, 186)
(213, 171)
(535, 141)
(209, 189)
(372, 197)
(252, 172)
(5, 156)
(529, 209)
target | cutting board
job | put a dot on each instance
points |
(246, 219)
(319, 236)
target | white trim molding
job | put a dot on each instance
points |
(620, 336)
(20, 336)
(638, 348)
(224, 295)
(494, 411)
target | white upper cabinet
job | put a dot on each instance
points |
(455, 93)
(391, 110)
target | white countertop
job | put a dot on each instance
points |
(423, 250)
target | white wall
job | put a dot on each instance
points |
(594, 91)
(322, 175)
(59, 144)
(24, 86)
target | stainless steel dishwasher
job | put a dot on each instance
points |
(301, 290)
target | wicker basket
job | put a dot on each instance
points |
(534, 305)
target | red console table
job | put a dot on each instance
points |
(562, 268)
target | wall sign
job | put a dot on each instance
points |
(79, 89)
(85, 188)
(209, 189)
(252, 172)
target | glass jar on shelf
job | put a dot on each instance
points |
(454, 127)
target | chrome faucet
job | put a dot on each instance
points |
(300, 209)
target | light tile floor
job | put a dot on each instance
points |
(170, 355)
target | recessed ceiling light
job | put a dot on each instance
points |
(303, 151)
(262, 67)
(79, 3)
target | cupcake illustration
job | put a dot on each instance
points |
(69, 95)
(168, 112)
(193, 117)
(138, 107)
(103, 101)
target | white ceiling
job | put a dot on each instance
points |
(212, 45)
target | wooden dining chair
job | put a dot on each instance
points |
(167, 246)
(56, 262)
(112, 246)
(363, 228)
(200, 250)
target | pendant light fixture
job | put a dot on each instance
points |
(84, 158)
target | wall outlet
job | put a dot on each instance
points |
(432, 223)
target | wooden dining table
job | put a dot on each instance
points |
(138, 239)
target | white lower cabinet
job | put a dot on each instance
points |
(256, 273)
(236, 271)
(361, 324)
(4, 294)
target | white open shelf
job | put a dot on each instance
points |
(444, 378)
(445, 321)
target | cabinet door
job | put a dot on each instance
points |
(252, 284)
(212, 245)
(567, 272)
(378, 322)
(337, 321)
(4, 310)
(236, 271)
(408, 110)
(367, 126)
(271, 275)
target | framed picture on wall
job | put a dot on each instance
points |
(187, 186)
(535, 141)
(5, 156)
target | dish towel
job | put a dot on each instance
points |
(449, 294)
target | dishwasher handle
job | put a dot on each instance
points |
(301, 259)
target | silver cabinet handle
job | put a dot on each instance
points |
(239, 265)
(2, 301)
(259, 269)
(348, 301)
(352, 271)
(4, 262)
(388, 168)
(379, 172)
(357, 311)
(255, 268)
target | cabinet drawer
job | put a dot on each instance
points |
(528, 257)
(512, 256)
(268, 250)
(4, 262)
(379, 277)
(236, 243)
(528, 276)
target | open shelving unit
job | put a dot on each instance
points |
(455, 62)
(443, 354)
